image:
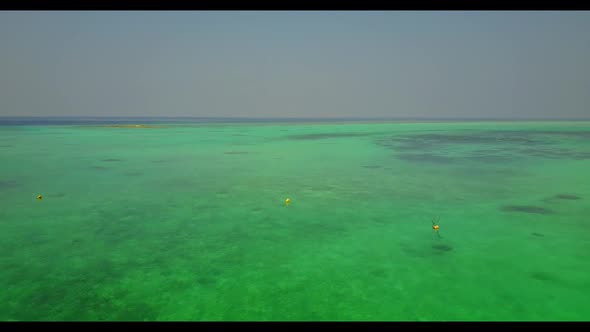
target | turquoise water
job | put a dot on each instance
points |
(188, 222)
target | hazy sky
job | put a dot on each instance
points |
(296, 64)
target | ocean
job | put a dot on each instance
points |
(187, 220)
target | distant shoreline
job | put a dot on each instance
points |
(143, 121)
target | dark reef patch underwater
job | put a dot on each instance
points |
(321, 136)
(500, 146)
(526, 209)
(567, 197)
(9, 184)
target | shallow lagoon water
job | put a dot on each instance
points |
(188, 221)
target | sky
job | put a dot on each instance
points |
(283, 64)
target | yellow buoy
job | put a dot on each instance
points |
(288, 201)
(39, 197)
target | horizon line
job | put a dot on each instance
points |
(284, 118)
